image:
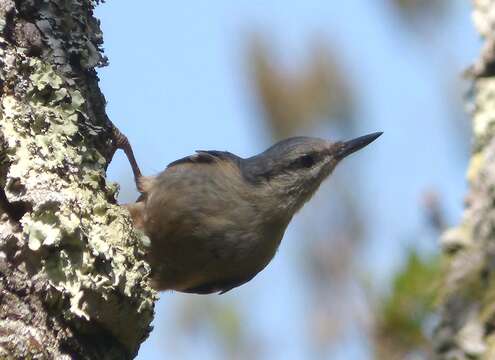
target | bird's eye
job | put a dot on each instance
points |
(305, 161)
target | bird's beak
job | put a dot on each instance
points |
(346, 148)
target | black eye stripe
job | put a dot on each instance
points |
(307, 160)
(304, 161)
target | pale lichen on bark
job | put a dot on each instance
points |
(467, 324)
(66, 248)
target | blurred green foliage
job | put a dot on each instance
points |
(406, 313)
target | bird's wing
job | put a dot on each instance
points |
(206, 156)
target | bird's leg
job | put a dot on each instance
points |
(121, 142)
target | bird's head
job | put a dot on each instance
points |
(293, 169)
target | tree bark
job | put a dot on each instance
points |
(467, 318)
(73, 282)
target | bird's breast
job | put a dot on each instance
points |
(204, 227)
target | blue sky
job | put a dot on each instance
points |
(178, 81)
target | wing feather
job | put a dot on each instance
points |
(206, 156)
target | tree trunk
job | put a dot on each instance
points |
(73, 282)
(467, 323)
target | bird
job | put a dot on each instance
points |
(215, 220)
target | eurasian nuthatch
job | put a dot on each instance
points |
(215, 219)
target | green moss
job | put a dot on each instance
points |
(94, 254)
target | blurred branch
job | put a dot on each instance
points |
(433, 211)
(316, 92)
(414, 12)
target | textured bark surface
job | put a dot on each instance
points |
(73, 282)
(467, 324)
